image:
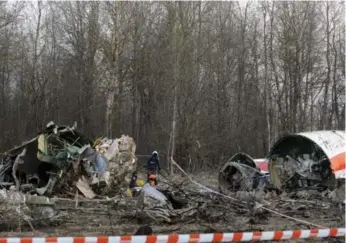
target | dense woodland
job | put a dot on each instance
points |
(198, 81)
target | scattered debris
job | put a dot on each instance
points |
(178, 208)
(153, 205)
(17, 208)
(86, 182)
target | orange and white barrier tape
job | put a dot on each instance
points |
(187, 238)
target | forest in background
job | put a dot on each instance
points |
(198, 81)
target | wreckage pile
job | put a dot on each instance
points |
(175, 206)
(60, 161)
(307, 161)
(60, 178)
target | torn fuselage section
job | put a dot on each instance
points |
(241, 173)
(39, 164)
(312, 160)
(306, 160)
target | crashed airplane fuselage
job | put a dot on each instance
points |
(310, 159)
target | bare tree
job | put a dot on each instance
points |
(197, 81)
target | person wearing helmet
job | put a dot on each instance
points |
(153, 165)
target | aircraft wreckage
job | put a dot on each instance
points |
(62, 160)
(314, 160)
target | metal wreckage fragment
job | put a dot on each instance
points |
(60, 159)
(163, 206)
(240, 173)
(311, 160)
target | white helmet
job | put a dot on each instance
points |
(155, 152)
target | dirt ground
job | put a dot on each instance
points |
(95, 218)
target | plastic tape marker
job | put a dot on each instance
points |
(190, 238)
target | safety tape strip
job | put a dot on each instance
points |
(190, 238)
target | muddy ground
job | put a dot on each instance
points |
(93, 218)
